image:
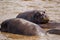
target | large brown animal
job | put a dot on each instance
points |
(36, 16)
(21, 26)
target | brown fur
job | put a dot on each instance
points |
(38, 17)
(21, 26)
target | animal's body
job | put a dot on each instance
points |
(21, 26)
(35, 16)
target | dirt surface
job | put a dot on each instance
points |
(11, 8)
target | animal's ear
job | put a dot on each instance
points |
(44, 12)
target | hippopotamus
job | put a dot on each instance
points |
(35, 16)
(21, 26)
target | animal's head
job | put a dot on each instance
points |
(40, 17)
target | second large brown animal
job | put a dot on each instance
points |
(35, 16)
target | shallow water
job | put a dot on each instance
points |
(11, 8)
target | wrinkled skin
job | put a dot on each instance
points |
(21, 26)
(38, 17)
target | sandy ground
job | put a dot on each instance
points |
(11, 8)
